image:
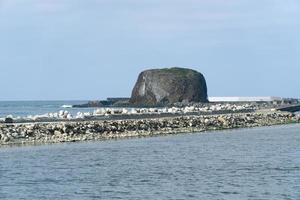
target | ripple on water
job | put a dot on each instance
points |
(259, 163)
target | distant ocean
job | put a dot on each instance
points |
(25, 108)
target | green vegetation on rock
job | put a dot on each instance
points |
(176, 71)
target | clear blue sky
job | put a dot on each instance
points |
(91, 49)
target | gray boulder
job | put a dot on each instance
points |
(9, 120)
(167, 86)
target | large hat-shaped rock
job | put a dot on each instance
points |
(170, 85)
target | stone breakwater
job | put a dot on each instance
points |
(57, 132)
(112, 112)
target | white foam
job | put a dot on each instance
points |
(66, 106)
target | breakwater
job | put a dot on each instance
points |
(56, 132)
(121, 113)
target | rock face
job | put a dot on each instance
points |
(169, 85)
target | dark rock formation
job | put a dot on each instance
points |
(9, 120)
(110, 102)
(167, 86)
(89, 104)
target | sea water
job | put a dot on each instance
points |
(25, 108)
(257, 163)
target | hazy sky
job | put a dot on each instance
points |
(91, 49)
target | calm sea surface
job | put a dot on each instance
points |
(25, 108)
(258, 163)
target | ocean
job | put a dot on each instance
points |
(25, 108)
(257, 163)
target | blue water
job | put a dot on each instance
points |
(259, 163)
(25, 108)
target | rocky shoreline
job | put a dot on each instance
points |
(129, 113)
(58, 132)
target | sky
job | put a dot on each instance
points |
(93, 49)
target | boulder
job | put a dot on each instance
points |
(170, 85)
(89, 104)
(9, 120)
